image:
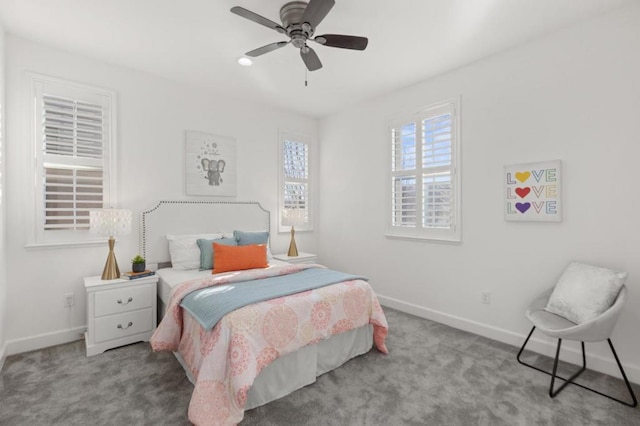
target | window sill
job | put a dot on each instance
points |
(65, 244)
(441, 240)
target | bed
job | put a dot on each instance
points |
(262, 351)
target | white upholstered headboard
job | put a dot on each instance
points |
(196, 217)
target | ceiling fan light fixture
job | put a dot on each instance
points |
(244, 61)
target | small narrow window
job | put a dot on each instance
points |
(295, 181)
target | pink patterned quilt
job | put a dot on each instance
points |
(226, 360)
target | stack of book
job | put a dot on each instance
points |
(133, 275)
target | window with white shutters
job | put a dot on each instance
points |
(295, 181)
(425, 182)
(73, 150)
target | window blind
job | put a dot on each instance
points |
(72, 145)
(296, 176)
(404, 208)
(436, 163)
(69, 195)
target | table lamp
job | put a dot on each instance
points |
(292, 217)
(110, 222)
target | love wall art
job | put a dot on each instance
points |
(532, 192)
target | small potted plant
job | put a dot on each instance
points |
(138, 264)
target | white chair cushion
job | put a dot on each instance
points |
(584, 292)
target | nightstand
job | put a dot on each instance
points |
(300, 258)
(119, 312)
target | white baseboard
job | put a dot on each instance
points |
(538, 342)
(45, 340)
(3, 351)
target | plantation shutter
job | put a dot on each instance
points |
(73, 152)
(423, 173)
(437, 169)
(295, 160)
(404, 202)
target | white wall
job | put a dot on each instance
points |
(574, 96)
(3, 271)
(153, 114)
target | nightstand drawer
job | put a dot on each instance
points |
(122, 325)
(123, 299)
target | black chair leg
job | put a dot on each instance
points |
(554, 376)
(522, 350)
(626, 381)
(553, 393)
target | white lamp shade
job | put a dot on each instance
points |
(110, 222)
(293, 217)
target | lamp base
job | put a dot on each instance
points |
(111, 270)
(293, 250)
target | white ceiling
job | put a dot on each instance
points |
(198, 41)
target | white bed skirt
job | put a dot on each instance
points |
(298, 369)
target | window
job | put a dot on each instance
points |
(73, 151)
(295, 182)
(424, 186)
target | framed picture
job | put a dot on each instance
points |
(211, 167)
(532, 192)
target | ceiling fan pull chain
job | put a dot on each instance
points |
(305, 77)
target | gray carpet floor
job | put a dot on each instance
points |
(433, 375)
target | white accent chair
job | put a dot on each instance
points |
(595, 330)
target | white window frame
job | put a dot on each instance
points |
(282, 137)
(39, 84)
(420, 232)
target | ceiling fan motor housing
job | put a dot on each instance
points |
(291, 17)
(291, 13)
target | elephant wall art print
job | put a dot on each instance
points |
(210, 164)
(214, 170)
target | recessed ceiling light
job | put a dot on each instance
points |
(244, 61)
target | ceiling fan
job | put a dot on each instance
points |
(299, 22)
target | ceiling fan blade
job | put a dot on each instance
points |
(316, 10)
(252, 16)
(343, 41)
(266, 49)
(310, 59)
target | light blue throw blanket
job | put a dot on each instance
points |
(209, 305)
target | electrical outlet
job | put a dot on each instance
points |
(485, 297)
(69, 300)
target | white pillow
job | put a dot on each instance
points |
(184, 250)
(583, 292)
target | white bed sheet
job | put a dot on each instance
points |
(169, 278)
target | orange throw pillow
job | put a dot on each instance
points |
(237, 258)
